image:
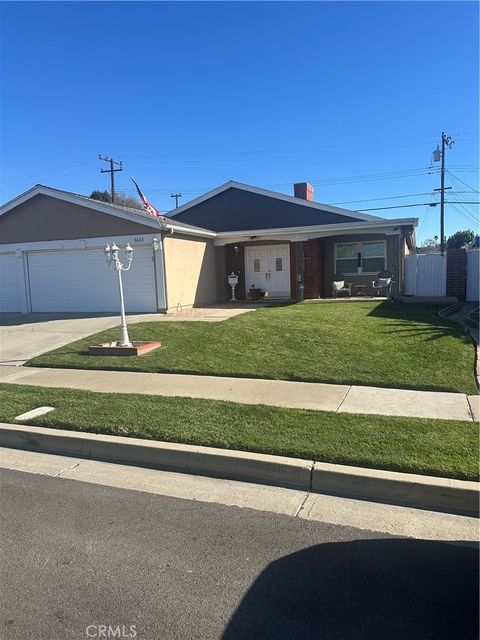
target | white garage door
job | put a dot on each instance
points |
(80, 281)
(9, 286)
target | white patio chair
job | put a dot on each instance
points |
(339, 286)
(383, 282)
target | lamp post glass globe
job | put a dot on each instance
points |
(114, 250)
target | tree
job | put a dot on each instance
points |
(430, 245)
(120, 199)
(460, 238)
(103, 196)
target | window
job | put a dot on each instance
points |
(370, 256)
(256, 265)
(348, 257)
(373, 257)
(278, 264)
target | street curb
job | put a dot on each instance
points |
(408, 489)
(293, 473)
(425, 492)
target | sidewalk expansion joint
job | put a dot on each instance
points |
(302, 504)
(344, 398)
(470, 409)
(73, 466)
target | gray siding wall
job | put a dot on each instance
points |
(45, 218)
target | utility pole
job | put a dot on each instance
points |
(446, 142)
(112, 172)
(176, 196)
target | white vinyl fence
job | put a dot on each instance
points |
(473, 274)
(425, 274)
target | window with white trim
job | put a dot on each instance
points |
(370, 256)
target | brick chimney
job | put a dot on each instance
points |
(303, 190)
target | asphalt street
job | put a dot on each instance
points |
(76, 556)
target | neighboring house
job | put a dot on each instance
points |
(51, 249)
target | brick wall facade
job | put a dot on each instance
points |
(314, 268)
(457, 273)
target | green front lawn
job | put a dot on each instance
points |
(434, 447)
(370, 343)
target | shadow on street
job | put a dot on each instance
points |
(384, 589)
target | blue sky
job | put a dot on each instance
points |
(350, 96)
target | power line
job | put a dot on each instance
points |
(403, 173)
(408, 195)
(34, 174)
(347, 145)
(465, 217)
(455, 181)
(464, 183)
(360, 144)
(424, 222)
(417, 204)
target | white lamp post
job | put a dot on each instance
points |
(113, 261)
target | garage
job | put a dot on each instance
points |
(73, 281)
(10, 300)
(52, 257)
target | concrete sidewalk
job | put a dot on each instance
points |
(279, 393)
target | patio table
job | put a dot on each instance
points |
(361, 289)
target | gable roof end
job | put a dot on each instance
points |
(271, 194)
(129, 213)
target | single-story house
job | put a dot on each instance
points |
(51, 249)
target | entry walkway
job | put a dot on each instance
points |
(279, 393)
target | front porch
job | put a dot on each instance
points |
(304, 269)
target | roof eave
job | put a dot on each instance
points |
(370, 224)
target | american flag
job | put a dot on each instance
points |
(150, 208)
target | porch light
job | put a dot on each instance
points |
(107, 253)
(155, 244)
(236, 249)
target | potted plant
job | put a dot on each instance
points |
(254, 293)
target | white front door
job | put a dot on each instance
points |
(267, 267)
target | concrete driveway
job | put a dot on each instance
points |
(24, 336)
